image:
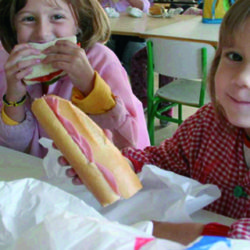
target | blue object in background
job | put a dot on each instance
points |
(206, 242)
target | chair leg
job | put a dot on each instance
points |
(179, 114)
(151, 127)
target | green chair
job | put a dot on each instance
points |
(189, 63)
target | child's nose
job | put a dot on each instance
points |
(243, 76)
(43, 30)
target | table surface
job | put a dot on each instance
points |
(181, 27)
(16, 165)
(128, 25)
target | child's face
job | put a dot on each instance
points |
(232, 79)
(42, 21)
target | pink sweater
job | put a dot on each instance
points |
(122, 5)
(125, 121)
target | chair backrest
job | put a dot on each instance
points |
(181, 59)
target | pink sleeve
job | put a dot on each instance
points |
(240, 229)
(3, 58)
(193, 11)
(126, 120)
(122, 5)
(18, 137)
(123, 127)
(146, 6)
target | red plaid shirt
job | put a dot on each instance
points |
(208, 150)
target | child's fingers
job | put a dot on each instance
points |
(72, 174)
(63, 161)
(25, 49)
(61, 47)
(17, 68)
(24, 68)
(66, 43)
(21, 52)
(57, 58)
(77, 181)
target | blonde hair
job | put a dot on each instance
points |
(92, 21)
(233, 22)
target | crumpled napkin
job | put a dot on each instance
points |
(173, 12)
(135, 12)
(111, 12)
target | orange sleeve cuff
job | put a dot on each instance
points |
(7, 120)
(99, 101)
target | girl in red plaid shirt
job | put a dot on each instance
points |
(213, 145)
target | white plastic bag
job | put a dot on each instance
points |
(165, 196)
(35, 215)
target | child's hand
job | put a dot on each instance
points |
(72, 59)
(16, 70)
(183, 233)
(70, 172)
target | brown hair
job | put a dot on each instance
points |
(92, 21)
(233, 22)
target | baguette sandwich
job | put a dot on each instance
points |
(45, 73)
(98, 163)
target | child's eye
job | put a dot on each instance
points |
(233, 56)
(28, 19)
(57, 17)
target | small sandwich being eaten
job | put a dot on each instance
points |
(98, 163)
(44, 73)
(156, 10)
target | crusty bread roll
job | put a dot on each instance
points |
(44, 72)
(98, 163)
(156, 10)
